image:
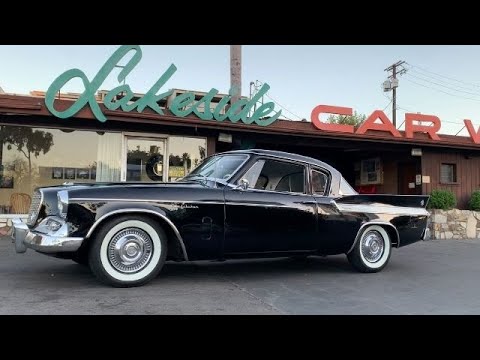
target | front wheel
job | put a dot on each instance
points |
(128, 251)
(372, 251)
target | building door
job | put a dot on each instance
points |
(145, 159)
(406, 179)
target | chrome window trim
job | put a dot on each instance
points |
(234, 172)
(298, 163)
(329, 180)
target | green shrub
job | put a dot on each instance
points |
(475, 201)
(442, 199)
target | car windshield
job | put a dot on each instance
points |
(217, 167)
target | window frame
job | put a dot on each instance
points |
(327, 185)
(306, 179)
(455, 173)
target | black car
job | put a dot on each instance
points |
(237, 204)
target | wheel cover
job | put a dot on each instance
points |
(130, 250)
(372, 246)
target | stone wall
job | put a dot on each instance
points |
(6, 224)
(455, 224)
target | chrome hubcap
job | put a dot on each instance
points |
(372, 246)
(130, 250)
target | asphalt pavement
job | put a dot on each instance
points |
(430, 277)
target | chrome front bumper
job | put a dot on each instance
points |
(25, 238)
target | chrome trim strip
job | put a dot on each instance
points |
(373, 223)
(382, 209)
(159, 202)
(258, 204)
(188, 202)
(169, 222)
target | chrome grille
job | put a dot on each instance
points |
(34, 208)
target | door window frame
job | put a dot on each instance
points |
(306, 179)
(327, 185)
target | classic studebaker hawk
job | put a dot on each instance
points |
(237, 204)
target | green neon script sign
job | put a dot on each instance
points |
(182, 105)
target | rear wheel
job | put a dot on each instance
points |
(372, 251)
(128, 251)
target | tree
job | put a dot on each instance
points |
(187, 162)
(355, 119)
(202, 151)
(29, 142)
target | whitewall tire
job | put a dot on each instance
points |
(372, 250)
(128, 251)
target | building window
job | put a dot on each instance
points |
(448, 173)
(186, 153)
(33, 157)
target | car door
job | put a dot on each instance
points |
(274, 214)
(334, 228)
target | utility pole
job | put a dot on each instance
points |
(394, 84)
(236, 71)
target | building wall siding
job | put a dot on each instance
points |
(468, 174)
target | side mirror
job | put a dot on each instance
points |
(243, 185)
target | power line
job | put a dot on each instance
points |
(429, 87)
(283, 107)
(435, 83)
(388, 105)
(446, 77)
(443, 121)
(428, 76)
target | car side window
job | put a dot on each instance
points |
(274, 175)
(319, 182)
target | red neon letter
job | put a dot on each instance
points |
(327, 109)
(410, 128)
(386, 124)
(475, 135)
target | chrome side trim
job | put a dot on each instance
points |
(133, 210)
(151, 201)
(382, 209)
(258, 204)
(373, 223)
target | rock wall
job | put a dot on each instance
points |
(455, 224)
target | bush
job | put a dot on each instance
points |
(475, 201)
(442, 199)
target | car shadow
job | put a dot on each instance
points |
(260, 267)
(64, 274)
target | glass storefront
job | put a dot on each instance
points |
(32, 157)
(185, 154)
(145, 159)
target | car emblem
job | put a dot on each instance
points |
(422, 202)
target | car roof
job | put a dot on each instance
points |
(288, 156)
